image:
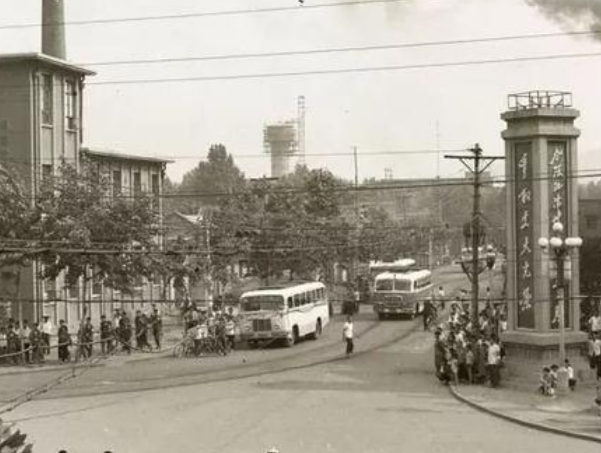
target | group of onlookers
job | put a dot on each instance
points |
(470, 353)
(212, 331)
(22, 343)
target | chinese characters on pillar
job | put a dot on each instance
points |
(524, 241)
(558, 212)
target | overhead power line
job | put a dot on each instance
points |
(351, 70)
(322, 72)
(368, 48)
(208, 14)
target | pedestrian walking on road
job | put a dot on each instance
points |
(441, 297)
(427, 314)
(347, 335)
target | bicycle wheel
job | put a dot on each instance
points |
(179, 350)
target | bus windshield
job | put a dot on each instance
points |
(384, 284)
(388, 284)
(256, 303)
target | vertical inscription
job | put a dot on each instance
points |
(523, 230)
(558, 212)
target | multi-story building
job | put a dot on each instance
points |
(41, 113)
(589, 223)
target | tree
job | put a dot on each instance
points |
(87, 234)
(18, 228)
(205, 185)
(293, 224)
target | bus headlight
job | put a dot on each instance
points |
(247, 327)
(276, 326)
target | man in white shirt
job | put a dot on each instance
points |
(595, 324)
(46, 334)
(347, 335)
(493, 362)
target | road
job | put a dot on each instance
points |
(385, 399)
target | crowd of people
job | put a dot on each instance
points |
(465, 352)
(22, 343)
(210, 331)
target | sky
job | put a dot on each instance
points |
(445, 108)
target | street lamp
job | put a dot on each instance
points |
(561, 247)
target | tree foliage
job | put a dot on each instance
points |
(79, 214)
(203, 185)
(19, 220)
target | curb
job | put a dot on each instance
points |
(518, 421)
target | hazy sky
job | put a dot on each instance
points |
(375, 111)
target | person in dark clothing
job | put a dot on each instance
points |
(13, 344)
(125, 328)
(36, 341)
(64, 341)
(106, 335)
(156, 324)
(88, 333)
(427, 314)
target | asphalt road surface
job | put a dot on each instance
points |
(385, 399)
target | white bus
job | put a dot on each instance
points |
(286, 313)
(401, 293)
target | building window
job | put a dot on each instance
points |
(47, 99)
(591, 221)
(117, 183)
(155, 185)
(70, 105)
(137, 184)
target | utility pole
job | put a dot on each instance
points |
(480, 164)
(356, 202)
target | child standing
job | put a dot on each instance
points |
(469, 363)
(570, 371)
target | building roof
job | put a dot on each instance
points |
(113, 154)
(42, 58)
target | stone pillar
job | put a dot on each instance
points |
(541, 156)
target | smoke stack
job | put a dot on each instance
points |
(53, 29)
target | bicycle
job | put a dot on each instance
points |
(184, 348)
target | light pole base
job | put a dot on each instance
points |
(528, 352)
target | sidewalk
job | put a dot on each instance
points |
(574, 414)
(51, 363)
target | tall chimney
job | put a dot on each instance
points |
(53, 29)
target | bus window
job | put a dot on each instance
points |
(290, 303)
(303, 298)
(314, 297)
(402, 285)
(297, 300)
(384, 284)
